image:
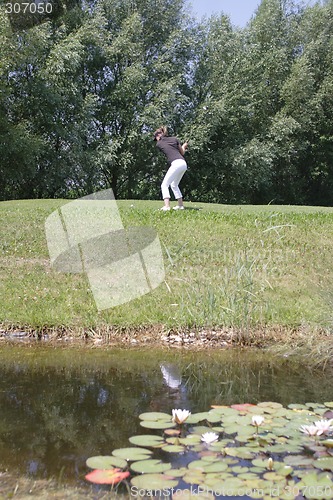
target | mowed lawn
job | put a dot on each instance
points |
(225, 265)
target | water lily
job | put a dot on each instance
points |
(257, 420)
(179, 416)
(209, 437)
(311, 430)
(324, 425)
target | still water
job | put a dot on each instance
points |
(58, 406)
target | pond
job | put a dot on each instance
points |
(59, 406)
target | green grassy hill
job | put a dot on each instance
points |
(226, 266)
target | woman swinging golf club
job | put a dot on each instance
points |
(174, 152)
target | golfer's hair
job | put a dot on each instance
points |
(162, 130)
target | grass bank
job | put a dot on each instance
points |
(23, 488)
(240, 268)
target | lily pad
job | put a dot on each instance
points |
(256, 410)
(195, 418)
(213, 417)
(172, 432)
(328, 443)
(194, 477)
(325, 463)
(224, 410)
(258, 462)
(200, 429)
(190, 440)
(314, 406)
(216, 467)
(154, 482)
(132, 453)
(147, 440)
(248, 476)
(240, 470)
(242, 407)
(235, 419)
(273, 476)
(240, 452)
(209, 456)
(298, 460)
(150, 466)
(157, 424)
(172, 440)
(197, 465)
(178, 472)
(218, 430)
(233, 429)
(113, 476)
(205, 466)
(219, 445)
(155, 415)
(106, 462)
(232, 485)
(283, 470)
(316, 486)
(244, 436)
(174, 448)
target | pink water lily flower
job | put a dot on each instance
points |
(179, 416)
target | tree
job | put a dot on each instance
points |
(86, 90)
(18, 144)
(256, 121)
(81, 94)
(308, 100)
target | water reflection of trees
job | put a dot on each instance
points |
(59, 408)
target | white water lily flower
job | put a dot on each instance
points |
(311, 430)
(179, 416)
(257, 420)
(209, 437)
(324, 425)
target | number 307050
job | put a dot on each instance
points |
(28, 8)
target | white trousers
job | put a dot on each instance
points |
(172, 178)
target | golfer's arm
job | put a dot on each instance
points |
(182, 150)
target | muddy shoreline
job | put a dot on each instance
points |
(315, 344)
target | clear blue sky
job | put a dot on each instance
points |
(239, 11)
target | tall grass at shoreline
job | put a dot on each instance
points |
(232, 266)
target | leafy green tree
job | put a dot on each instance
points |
(147, 57)
(18, 144)
(257, 115)
(86, 91)
(81, 94)
(308, 100)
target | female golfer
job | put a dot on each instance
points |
(174, 152)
